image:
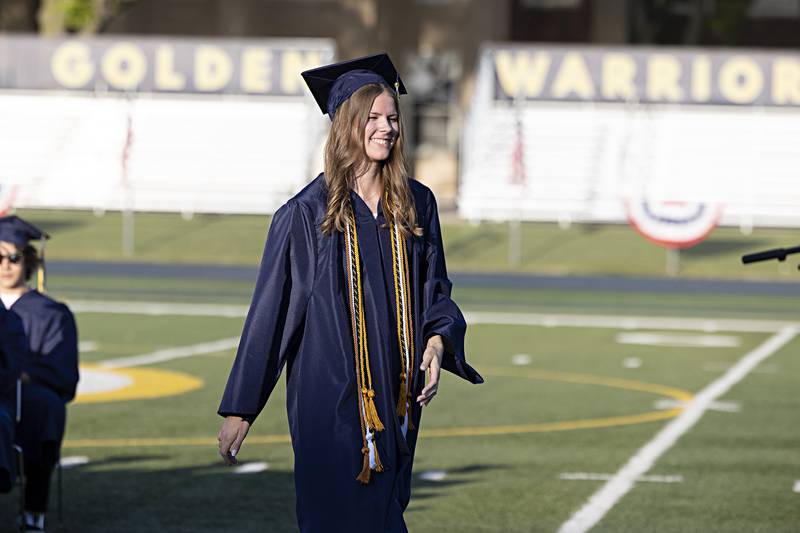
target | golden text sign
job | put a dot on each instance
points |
(653, 75)
(160, 65)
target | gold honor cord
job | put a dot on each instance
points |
(405, 334)
(41, 284)
(368, 413)
(360, 351)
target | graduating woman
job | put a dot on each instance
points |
(49, 362)
(353, 297)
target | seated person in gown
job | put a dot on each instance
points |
(49, 363)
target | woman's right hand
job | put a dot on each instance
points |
(234, 430)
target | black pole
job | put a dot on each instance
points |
(777, 253)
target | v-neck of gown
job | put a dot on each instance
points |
(362, 211)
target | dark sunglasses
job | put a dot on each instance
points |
(13, 258)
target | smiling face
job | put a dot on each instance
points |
(382, 129)
(12, 275)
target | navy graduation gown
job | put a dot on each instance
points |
(51, 362)
(299, 317)
(12, 346)
(52, 356)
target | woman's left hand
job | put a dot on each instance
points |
(432, 358)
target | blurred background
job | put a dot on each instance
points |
(600, 166)
(674, 116)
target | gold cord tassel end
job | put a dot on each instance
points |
(364, 476)
(371, 412)
(402, 405)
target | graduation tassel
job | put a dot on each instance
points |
(378, 464)
(370, 412)
(364, 476)
(40, 280)
(40, 273)
(402, 398)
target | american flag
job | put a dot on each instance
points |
(126, 150)
(518, 176)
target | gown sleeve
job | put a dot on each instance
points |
(57, 364)
(12, 350)
(441, 315)
(276, 317)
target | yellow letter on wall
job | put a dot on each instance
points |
(786, 81)
(741, 80)
(292, 64)
(573, 77)
(663, 78)
(521, 73)
(124, 66)
(256, 74)
(72, 65)
(165, 76)
(701, 79)
(619, 77)
(212, 68)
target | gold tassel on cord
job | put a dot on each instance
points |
(41, 274)
(402, 403)
(364, 476)
(370, 412)
(378, 465)
(40, 280)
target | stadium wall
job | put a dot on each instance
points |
(581, 134)
(157, 124)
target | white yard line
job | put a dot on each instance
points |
(648, 338)
(590, 476)
(87, 346)
(250, 468)
(157, 308)
(523, 319)
(629, 322)
(168, 354)
(72, 461)
(614, 489)
(433, 475)
(721, 406)
(722, 366)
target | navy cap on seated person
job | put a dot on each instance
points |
(333, 84)
(19, 232)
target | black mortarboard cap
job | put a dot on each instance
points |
(332, 84)
(20, 232)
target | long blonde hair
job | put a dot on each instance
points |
(345, 157)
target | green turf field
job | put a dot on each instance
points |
(576, 383)
(557, 401)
